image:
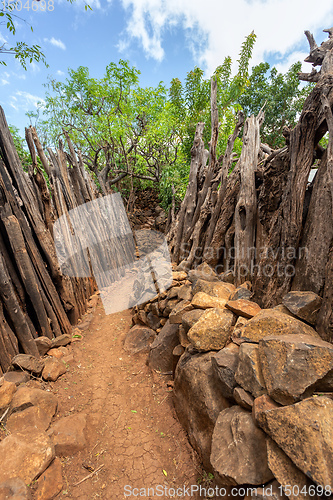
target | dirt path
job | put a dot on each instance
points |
(132, 430)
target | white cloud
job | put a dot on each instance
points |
(56, 43)
(4, 82)
(24, 101)
(216, 29)
(3, 39)
(60, 73)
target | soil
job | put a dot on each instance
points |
(133, 435)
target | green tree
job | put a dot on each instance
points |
(191, 101)
(282, 95)
(125, 132)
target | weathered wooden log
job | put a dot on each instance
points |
(222, 179)
(22, 330)
(286, 226)
(246, 208)
(26, 270)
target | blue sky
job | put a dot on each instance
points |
(162, 38)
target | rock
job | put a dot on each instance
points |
(195, 382)
(153, 321)
(239, 451)
(62, 340)
(190, 318)
(155, 309)
(30, 420)
(220, 290)
(261, 406)
(170, 305)
(177, 312)
(68, 359)
(50, 483)
(304, 305)
(281, 308)
(27, 456)
(293, 364)
(173, 293)
(194, 275)
(58, 352)
(160, 354)
(286, 472)
(212, 331)
(14, 489)
(141, 317)
(67, 434)
(138, 339)
(17, 377)
(311, 449)
(25, 397)
(236, 332)
(225, 364)
(183, 337)
(243, 398)
(227, 277)
(202, 300)
(205, 269)
(176, 354)
(53, 369)
(185, 293)
(179, 275)
(7, 391)
(241, 293)
(272, 322)
(243, 307)
(271, 491)
(248, 374)
(29, 363)
(43, 344)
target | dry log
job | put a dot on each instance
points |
(246, 208)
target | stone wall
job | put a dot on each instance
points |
(252, 387)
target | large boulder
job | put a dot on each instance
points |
(212, 331)
(29, 363)
(29, 420)
(160, 354)
(243, 307)
(304, 431)
(293, 364)
(25, 456)
(190, 318)
(286, 472)
(202, 300)
(239, 450)
(50, 483)
(68, 434)
(225, 364)
(219, 289)
(248, 374)
(272, 322)
(198, 400)
(138, 339)
(25, 397)
(304, 305)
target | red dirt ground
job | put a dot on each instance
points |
(132, 430)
